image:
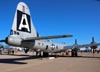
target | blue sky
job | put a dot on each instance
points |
(81, 18)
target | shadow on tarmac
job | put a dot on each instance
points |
(27, 57)
(15, 60)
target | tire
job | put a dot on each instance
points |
(45, 54)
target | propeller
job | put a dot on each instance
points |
(93, 41)
(75, 41)
(94, 46)
(75, 45)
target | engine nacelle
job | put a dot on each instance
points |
(14, 40)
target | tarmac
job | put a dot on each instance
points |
(21, 62)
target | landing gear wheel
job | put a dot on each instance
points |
(26, 50)
(45, 54)
(74, 53)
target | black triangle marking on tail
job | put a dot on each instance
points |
(23, 22)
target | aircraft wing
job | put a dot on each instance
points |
(46, 37)
(81, 46)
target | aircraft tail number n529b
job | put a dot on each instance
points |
(24, 34)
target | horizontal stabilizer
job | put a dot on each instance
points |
(47, 37)
(2, 40)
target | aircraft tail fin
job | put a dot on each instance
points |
(22, 24)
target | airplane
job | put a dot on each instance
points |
(77, 47)
(23, 34)
(94, 46)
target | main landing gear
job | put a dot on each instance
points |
(42, 54)
(45, 54)
(74, 52)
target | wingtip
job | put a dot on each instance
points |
(68, 35)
